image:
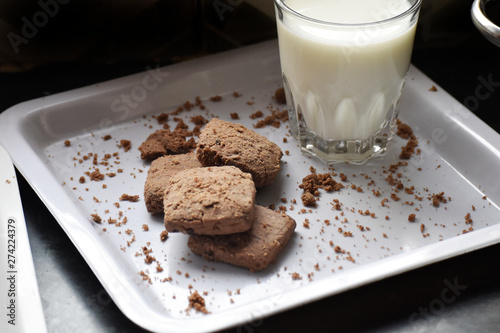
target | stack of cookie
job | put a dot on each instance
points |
(210, 195)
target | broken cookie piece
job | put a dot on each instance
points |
(164, 142)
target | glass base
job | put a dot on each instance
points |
(352, 151)
(355, 151)
(336, 151)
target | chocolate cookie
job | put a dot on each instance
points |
(209, 201)
(254, 249)
(225, 143)
(160, 172)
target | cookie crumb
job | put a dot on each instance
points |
(96, 175)
(308, 199)
(408, 150)
(312, 183)
(164, 235)
(125, 144)
(96, 218)
(258, 114)
(131, 198)
(438, 198)
(197, 302)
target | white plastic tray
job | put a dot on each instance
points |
(459, 156)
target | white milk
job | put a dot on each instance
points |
(345, 80)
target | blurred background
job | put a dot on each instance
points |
(49, 46)
(41, 32)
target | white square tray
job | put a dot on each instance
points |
(459, 156)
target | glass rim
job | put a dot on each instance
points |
(414, 8)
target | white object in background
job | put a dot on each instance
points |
(21, 305)
(489, 29)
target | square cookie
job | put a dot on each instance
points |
(225, 143)
(160, 172)
(254, 249)
(209, 201)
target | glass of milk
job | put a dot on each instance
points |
(344, 65)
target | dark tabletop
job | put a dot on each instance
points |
(74, 300)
